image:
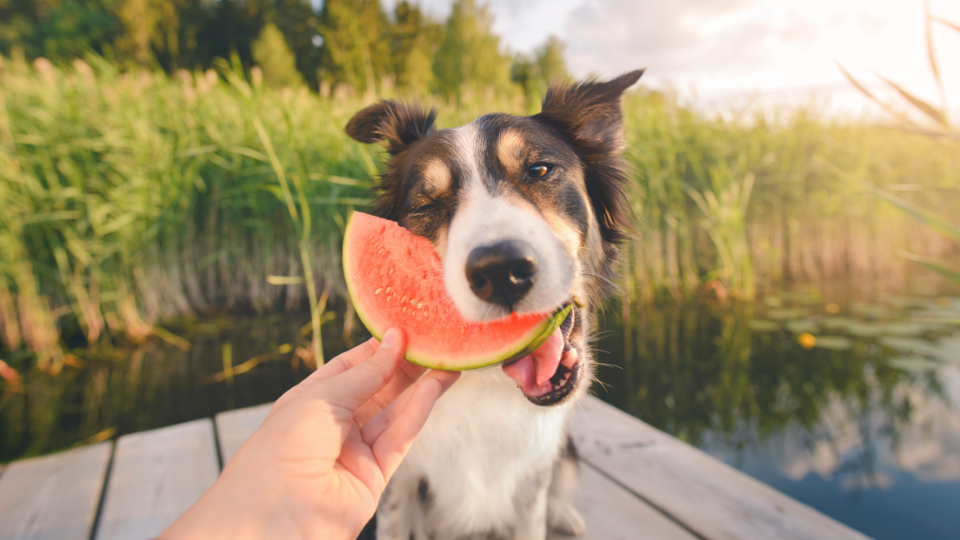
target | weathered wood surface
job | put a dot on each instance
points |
(636, 483)
(233, 428)
(611, 512)
(156, 476)
(53, 497)
(707, 496)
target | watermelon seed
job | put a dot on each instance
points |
(378, 290)
(388, 289)
(404, 310)
(420, 305)
(404, 299)
(390, 273)
(413, 301)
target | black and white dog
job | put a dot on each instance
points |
(525, 213)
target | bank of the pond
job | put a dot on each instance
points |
(129, 197)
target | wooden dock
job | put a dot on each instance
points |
(636, 483)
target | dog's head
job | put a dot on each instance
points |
(524, 212)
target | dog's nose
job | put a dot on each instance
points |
(503, 272)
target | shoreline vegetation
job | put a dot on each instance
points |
(133, 197)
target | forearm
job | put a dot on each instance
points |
(233, 513)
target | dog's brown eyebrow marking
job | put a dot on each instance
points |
(436, 176)
(510, 148)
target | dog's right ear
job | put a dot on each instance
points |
(398, 125)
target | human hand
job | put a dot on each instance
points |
(317, 466)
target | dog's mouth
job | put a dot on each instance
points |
(550, 374)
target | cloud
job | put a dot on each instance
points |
(726, 49)
(683, 40)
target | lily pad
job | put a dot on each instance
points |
(949, 349)
(936, 314)
(783, 314)
(809, 297)
(905, 328)
(801, 326)
(864, 329)
(874, 311)
(914, 363)
(837, 322)
(834, 343)
(911, 345)
(904, 302)
(764, 325)
(773, 301)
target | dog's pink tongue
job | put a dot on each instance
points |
(534, 371)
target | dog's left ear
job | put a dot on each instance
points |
(589, 114)
(398, 125)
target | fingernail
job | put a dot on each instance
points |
(390, 339)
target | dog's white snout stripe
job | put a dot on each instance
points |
(484, 218)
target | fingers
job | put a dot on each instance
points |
(378, 424)
(353, 387)
(407, 375)
(390, 448)
(334, 367)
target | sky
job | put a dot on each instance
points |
(723, 53)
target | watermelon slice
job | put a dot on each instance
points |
(395, 279)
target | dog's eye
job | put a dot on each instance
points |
(539, 170)
(426, 208)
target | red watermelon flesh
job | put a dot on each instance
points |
(395, 279)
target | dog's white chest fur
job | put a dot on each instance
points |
(479, 449)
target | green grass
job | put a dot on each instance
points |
(130, 197)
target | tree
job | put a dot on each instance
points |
(535, 74)
(271, 53)
(60, 31)
(298, 22)
(354, 51)
(470, 56)
(415, 39)
(140, 19)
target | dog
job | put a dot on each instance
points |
(526, 214)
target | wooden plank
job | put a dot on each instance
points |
(709, 497)
(156, 476)
(613, 513)
(234, 427)
(53, 497)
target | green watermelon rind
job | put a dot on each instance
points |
(522, 347)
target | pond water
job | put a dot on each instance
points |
(849, 407)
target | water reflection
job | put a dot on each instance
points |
(107, 391)
(850, 409)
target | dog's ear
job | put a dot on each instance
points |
(398, 125)
(589, 114)
(589, 111)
